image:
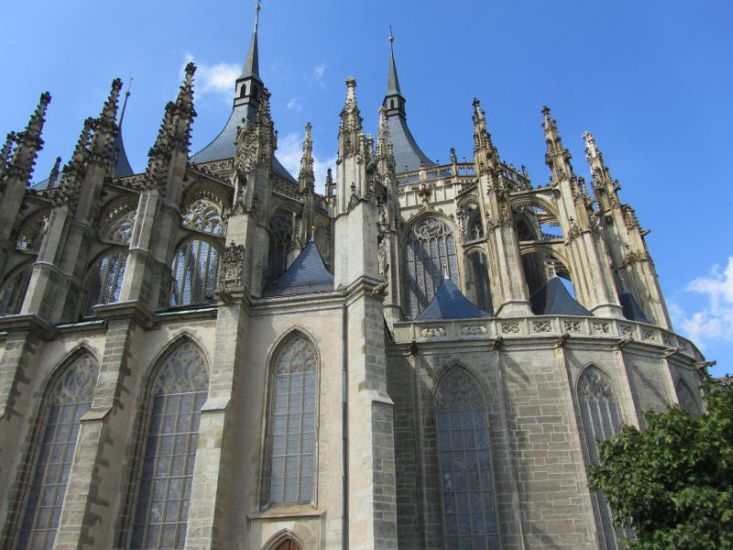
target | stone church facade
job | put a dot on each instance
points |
(210, 354)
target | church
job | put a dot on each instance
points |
(212, 355)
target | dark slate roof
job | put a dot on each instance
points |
(450, 303)
(632, 310)
(122, 165)
(554, 299)
(223, 146)
(307, 274)
(407, 153)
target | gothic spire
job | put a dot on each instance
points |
(251, 68)
(557, 157)
(351, 132)
(306, 177)
(393, 82)
(605, 187)
(105, 126)
(384, 142)
(482, 143)
(184, 112)
(122, 163)
(6, 151)
(28, 143)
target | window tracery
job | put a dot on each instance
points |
(106, 279)
(601, 418)
(173, 413)
(469, 507)
(195, 270)
(119, 230)
(67, 400)
(292, 427)
(204, 215)
(431, 252)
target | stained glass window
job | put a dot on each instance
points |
(469, 508)
(106, 279)
(13, 292)
(178, 393)
(120, 228)
(67, 400)
(292, 437)
(430, 251)
(601, 417)
(195, 269)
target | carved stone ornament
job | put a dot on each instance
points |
(232, 268)
(382, 263)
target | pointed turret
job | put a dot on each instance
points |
(249, 91)
(105, 127)
(407, 153)
(184, 112)
(485, 154)
(28, 144)
(557, 157)
(351, 131)
(604, 187)
(306, 177)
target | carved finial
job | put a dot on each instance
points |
(306, 177)
(453, 156)
(556, 156)
(330, 185)
(350, 125)
(591, 149)
(6, 151)
(28, 143)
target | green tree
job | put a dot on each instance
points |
(672, 482)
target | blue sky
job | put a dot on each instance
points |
(651, 79)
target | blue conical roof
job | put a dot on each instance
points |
(450, 303)
(308, 273)
(553, 298)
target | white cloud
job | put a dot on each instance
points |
(317, 73)
(294, 104)
(215, 79)
(715, 320)
(290, 150)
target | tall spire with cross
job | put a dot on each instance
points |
(407, 153)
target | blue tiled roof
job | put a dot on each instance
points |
(554, 299)
(223, 146)
(631, 308)
(307, 274)
(450, 303)
(407, 153)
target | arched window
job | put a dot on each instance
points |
(105, 279)
(66, 401)
(12, 293)
(173, 411)
(601, 417)
(469, 508)
(292, 425)
(480, 279)
(204, 215)
(281, 238)
(430, 250)
(288, 544)
(687, 398)
(195, 269)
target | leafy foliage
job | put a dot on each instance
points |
(672, 482)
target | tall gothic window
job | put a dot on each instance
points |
(601, 417)
(66, 401)
(195, 269)
(106, 279)
(480, 278)
(174, 409)
(430, 250)
(281, 237)
(13, 292)
(292, 427)
(469, 508)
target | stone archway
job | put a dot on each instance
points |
(288, 544)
